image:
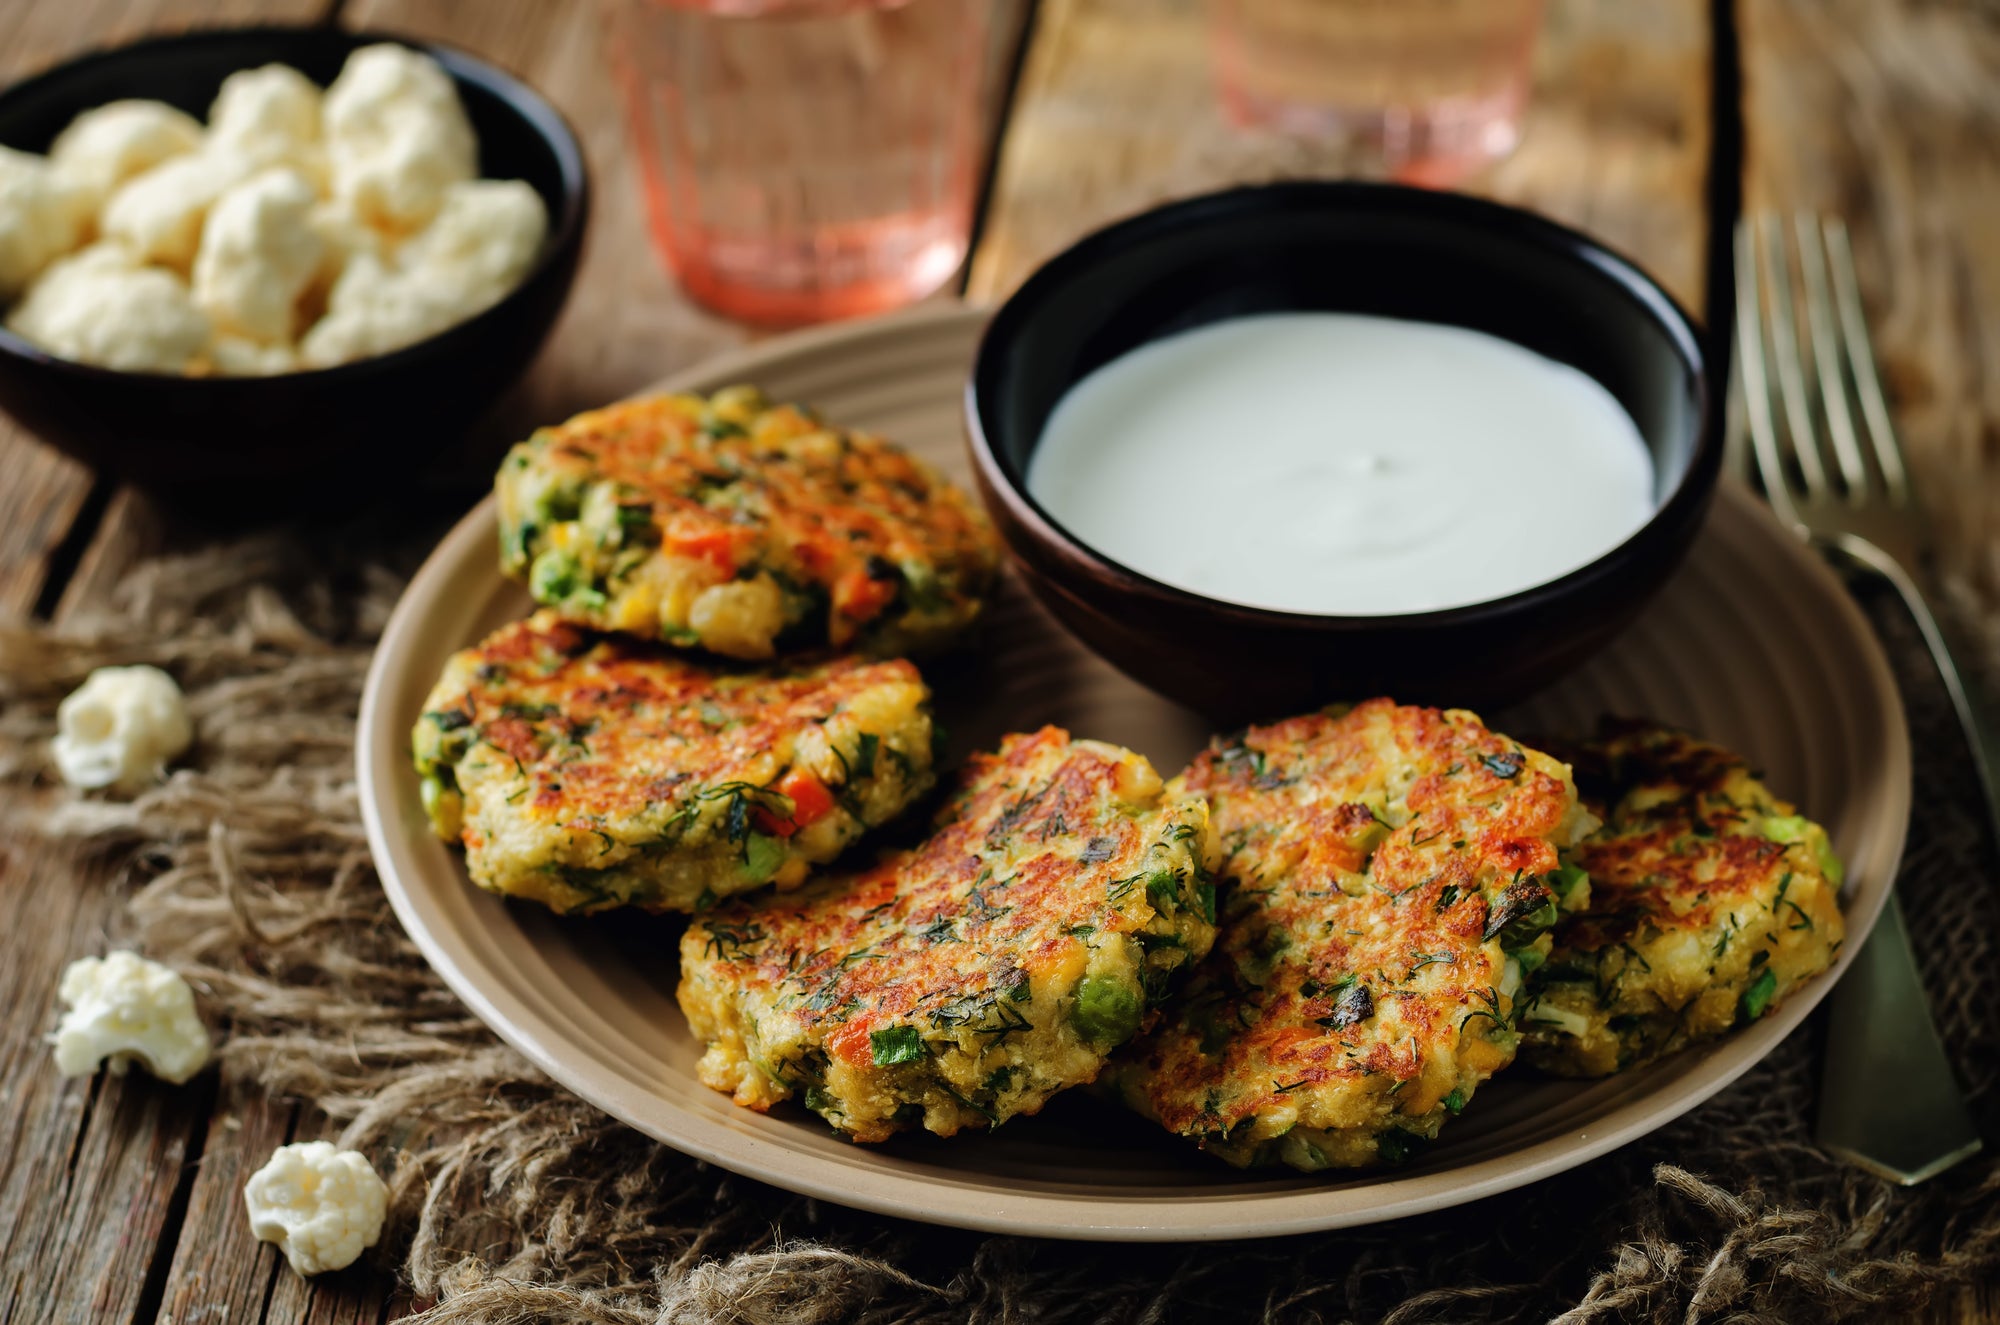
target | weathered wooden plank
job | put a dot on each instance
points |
(211, 1279)
(42, 492)
(1116, 112)
(1888, 115)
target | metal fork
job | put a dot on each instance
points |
(1822, 442)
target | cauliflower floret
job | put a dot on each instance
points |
(485, 237)
(232, 356)
(321, 1205)
(396, 136)
(43, 215)
(104, 147)
(103, 306)
(270, 116)
(123, 1008)
(346, 235)
(370, 310)
(258, 253)
(159, 214)
(120, 728)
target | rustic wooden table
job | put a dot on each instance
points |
(1651, 125)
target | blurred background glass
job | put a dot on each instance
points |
(1425, 91)
(806, 159)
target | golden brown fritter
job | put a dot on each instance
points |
(1386, 870)
(589, 771)
(743, 527)
(965, 980)
(1711, 900)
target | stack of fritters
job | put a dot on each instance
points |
(1389, 874)
(1711, 901)
(586, 764)
(743, 527)
(965, 980)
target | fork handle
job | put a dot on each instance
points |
(1889, 1100)
(1975, 712)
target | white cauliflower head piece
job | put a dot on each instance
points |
(321, 1205)
(120, 728)
(397, 136)
(486, 235)
(232, 356)
(482, 243)
(269, 116)
(109, 144)
(259, 251)
(159, 214)
(125, 1009)
(103, 306)
(43, 215)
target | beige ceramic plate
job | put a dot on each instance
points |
(1754, 644)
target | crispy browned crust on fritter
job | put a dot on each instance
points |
(743, 526)
(1711, 900)
(965, 980)
(587, 770)
(1381, 868)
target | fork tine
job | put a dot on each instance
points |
(1861, 361)
(1787, 361)
(1751, 359)
(1826, 358)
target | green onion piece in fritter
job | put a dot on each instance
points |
(897, 1044)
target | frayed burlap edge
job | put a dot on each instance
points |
(513, 1202)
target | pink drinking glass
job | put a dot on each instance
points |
(805, 159)
(1425, 91)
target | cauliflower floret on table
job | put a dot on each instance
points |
(107, 145)
(43, 215)
(321, 1205)
(158, 215)
(258, 253)
(122, 1009)
(120, 728)
(485, 237)
(103, 306)
(396, 136)
(270, 116)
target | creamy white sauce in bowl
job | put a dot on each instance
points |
(1342, 464)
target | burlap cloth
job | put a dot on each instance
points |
(514, 1202)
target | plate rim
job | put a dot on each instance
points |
(991, 1207)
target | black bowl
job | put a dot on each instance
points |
(1346, 247)
(304, 439)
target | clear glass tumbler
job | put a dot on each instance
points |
(806, 159)
(1430, 90)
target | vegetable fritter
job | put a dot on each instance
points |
(589, 771)
(1389, 876)
(1711, 900)
(743, 527)
(965, 980)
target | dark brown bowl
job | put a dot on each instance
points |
(256, 445)
(1360, 248)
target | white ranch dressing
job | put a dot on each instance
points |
(1343, 464)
